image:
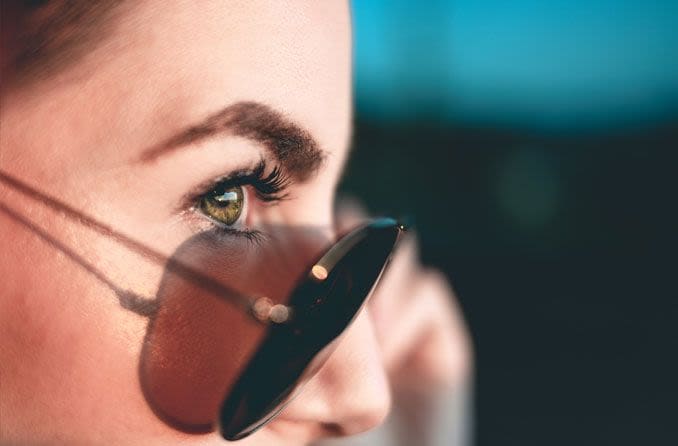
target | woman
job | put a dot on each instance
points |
(137, 136)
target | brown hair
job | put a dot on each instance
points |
(41, 36)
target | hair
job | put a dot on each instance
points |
(40, 37)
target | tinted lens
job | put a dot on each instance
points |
(323, 308)
(198, 342)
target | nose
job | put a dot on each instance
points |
(350, 393)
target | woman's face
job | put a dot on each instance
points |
(170, 98)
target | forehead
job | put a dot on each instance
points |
(168, 64)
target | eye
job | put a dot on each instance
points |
(223, 205)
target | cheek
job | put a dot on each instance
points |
(68, 351)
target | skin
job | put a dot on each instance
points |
(69, 353)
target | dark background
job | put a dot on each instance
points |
(553, 210)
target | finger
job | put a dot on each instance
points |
(395, 286)
(425, 343)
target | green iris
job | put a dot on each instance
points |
(224, 206)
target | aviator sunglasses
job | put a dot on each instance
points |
(298, 336)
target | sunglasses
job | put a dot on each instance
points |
(297, 333)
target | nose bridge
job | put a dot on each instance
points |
(350, 394)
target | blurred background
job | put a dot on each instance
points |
(534, 143)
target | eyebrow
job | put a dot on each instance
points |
(293, 146)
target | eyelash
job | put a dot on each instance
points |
(269, 189)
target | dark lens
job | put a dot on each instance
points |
(323, 307)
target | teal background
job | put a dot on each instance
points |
(553, 63)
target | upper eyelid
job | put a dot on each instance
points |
(267, 187)
(238, 177)
(190, 198)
